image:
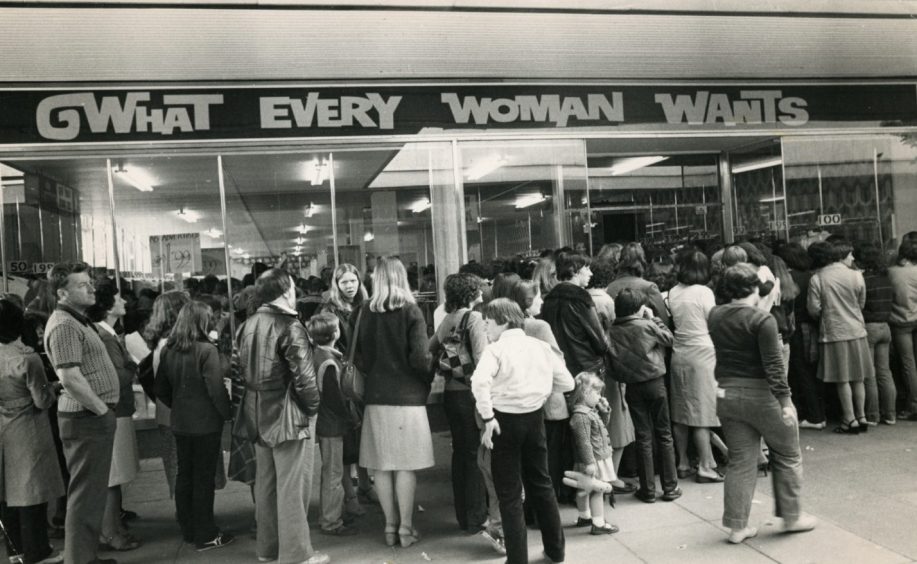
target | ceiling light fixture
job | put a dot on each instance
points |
(310, 209)
(484, 167)
(421, 205)
(368, 236)
(240, 251)
(528, 200)
(299, 240)
(187, 215)
(630, 164)
(317, 172)
(213, 233)
(136, 178)
(303, 228)
(757, 164)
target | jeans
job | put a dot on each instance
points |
(332, 491)
(520, 450)
(195, 485)
(906, 343)
(881, 394)
(87, 441)
(469, 494)
(649, 410)
(283, 484)
(748, 411)
(808, 391)
(495, 524)
(27, 531)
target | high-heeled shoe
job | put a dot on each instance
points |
(391, 535)
(848, 428)
(408, 536)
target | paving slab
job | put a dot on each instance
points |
(696, 542)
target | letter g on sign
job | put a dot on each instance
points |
(61, 109)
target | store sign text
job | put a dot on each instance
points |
(60, 117)
(214, 112)
(753, 107)
(276, 111)
(550, 107)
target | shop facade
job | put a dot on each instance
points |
(161, 183)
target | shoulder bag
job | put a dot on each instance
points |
(352, 384)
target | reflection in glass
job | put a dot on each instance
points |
(516, 193)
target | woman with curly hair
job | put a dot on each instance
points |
(753, 402)
(156, 332)
(463, 292)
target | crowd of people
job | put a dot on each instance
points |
(559, 377)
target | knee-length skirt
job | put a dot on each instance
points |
(693, 391)
(396, 437)
(844, 361)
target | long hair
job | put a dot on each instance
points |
(192, 325)
(335, 296)
(391, 290)
(165, 312)
(545, 275)
(789, 290)
(45, 299)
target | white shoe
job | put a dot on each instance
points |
(802, 524)
(317, 558)
(817, 426)
(740, 535)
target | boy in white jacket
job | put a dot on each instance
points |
(511, 383)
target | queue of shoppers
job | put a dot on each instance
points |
(707, 360)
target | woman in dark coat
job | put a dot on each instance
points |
(392, 352)
(570, 311)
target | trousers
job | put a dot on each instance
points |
(283, 485)
(749, 412)
(27, 531)
(468, 491)
(195, 485)
(520, 451)
(649, 410)
(87, 442)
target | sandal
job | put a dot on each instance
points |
(408, 536)
(864, 425)
(848, 428)
(391, 535)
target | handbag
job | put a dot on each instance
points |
(455, 360)
(352, 384)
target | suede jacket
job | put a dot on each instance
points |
(273, 352)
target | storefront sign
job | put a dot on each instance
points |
(232, 112)
(19, 267)
(175, 254)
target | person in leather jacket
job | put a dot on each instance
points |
(275, 359)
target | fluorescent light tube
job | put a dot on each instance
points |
(529, 200)
(188, 215)
(135, 178)
(757, 164)
(421, 206)
(630, 164)
(368, 236)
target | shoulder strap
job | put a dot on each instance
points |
(356, 335)
(320, 377)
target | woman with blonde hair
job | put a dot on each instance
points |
(346, 295)
(392, 352)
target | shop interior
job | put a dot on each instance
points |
(163, 217)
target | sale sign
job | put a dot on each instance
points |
(178, 253)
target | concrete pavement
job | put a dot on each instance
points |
(862, 488)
